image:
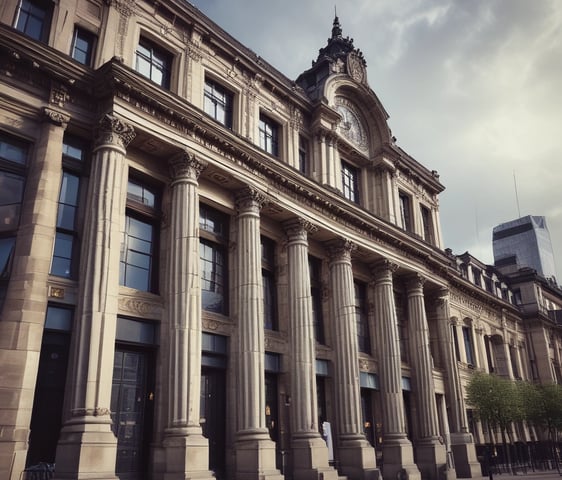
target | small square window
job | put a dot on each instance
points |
(153, 62)
(269, 135)
(83, 43)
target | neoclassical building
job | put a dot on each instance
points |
(212, 271)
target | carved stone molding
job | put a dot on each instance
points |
(59, 94)
(58, 118)
(114, 131)
(139, 307)
(340, 249)
(186, 165)
(383, 269)
(298, 227)
(250, 199)
(415, 282)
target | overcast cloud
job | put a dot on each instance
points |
(473, 90)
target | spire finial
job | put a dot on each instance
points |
(336, 28)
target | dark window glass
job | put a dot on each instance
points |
(468, 345)
(218, 103)
(213, 246)
(269, 135)
(11, 195)
(153, 62)
(13, 151)
(405, 211)
(314, 265)
(142, 194)
(83, 46)
(350, 182)
(303, 154)
(213, 276)
(268, 280)
(456, 342)
(34, 17)
(363, 336)
(427, 224)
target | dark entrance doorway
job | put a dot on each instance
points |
(132, 411)
(213, 417)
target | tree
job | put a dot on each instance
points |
(496, 401)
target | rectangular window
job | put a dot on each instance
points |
(138, 251)
(34, 19)
(427, 224)
(315, 269)
(477, 275)
(13, 159)
(361, 316)
(350, 182)
(456, 343)
(269, 135)
(213, 244)
(218, 102)
(269, 284)
(153, 62)
(64, 259)
(405, 211)
(303, 154)
(83, 43)
(467, 336)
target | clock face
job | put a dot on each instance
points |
(351, 127)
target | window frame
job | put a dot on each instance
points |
(427, 224)
(405, 205)
(350, 181)
(157, 53)
(149, 215)
(211, 98)
(303, 157)
(47, 7)
(269, 134)
(90, 39)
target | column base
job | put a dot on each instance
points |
(431, 458)
(87, 449)
(310, 459)
(464, 455)
(186, 454)
(398, 458)
(356, 458)
(255, 456)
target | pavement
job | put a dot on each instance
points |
(529, 475)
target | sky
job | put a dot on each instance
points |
(473, 90)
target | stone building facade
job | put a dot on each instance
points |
(212, 271)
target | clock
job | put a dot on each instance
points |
(351, 127)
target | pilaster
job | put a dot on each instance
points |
(309, 451)
(87, 447)
(355, 454)
(255, 452)
(187, 451)
(430, 452)
(23, 313)
(398, 453)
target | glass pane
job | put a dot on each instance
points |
(9, 217)
(137, 278)
(59, 319)
(138, 260)
(13, 152)
(66, 216)
(11, 189)
(69, 189)
(6, 250)
(139, 229)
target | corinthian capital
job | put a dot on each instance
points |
(250, 199)
(186, 165)
(383, 269)
(415, 283)
(298, 227)
(340, 249)
(115, 131)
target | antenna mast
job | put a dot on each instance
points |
(516, 195)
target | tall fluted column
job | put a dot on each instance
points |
(187, 451)
(23, 314)
(431, 455)
(255, 452)
(462, 443)
(356, 456)
(88, 446)
(398, 453)
(309, 451)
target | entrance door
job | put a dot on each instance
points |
(213, 416)
(131, 411)
(49, 396)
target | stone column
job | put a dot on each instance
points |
(187, 451)
(255, 452)
(309, 451)
(355, 454)
(23, 314)
(398, 453)
(87, 446)
(462, 443)
(430, 451)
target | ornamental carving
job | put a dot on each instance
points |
(415, 282)
(138, 307)
(384, 269)
(356, 68)
(250, 199)
(58, 95)
(340, 249)
(58, 118)
(114, 131)
(186, 165)
(298, 227)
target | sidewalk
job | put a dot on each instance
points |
(530, 475)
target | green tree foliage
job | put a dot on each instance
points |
(543, 405)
